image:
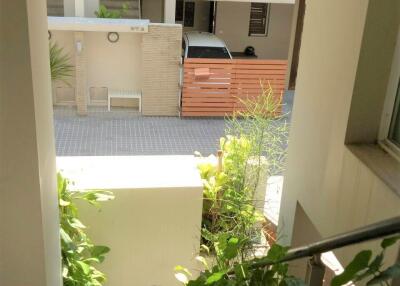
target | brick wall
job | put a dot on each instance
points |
(161, 51)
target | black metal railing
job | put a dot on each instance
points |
(316, 271)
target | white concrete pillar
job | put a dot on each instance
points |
(81, 89)
(29, 225)
(79, 8)
(169, 11)
(91, 6)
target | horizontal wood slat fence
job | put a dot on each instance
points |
(214, 87)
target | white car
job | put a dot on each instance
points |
(204, 45)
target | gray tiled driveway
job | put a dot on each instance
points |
(124, 132)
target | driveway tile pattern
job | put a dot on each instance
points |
(125, 132)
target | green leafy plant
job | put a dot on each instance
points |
(79, 254)
(103, 12)
(367, 269)
(230, 272)
(246, 273)
(228, 207)
(254, 148)
(60, 67)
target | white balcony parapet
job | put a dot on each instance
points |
(98, 24)
(130, 172)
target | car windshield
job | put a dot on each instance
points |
(208, 52)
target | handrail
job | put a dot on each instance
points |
(363, 234)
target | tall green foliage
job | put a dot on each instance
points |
(103, 12)
(253, 149)
(60, 67)
(79, 254)
(255, 146)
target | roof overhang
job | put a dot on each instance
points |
(98, 24)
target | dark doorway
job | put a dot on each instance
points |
(212, 15)
(297, 44)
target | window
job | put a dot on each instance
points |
(179, 11)
(389, 136)
(184, 13)
(208, 52)
(259, 19)
(188, 18)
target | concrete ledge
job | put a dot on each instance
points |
(382, 164)
(131, 172)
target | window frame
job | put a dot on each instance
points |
(266, 23)
(392, 92)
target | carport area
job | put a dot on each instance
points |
(123, 132)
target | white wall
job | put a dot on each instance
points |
(154, 222)
(114, 65)
(336, 189)
(232, 25)
(110, 65)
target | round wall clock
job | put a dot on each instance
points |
(113, 37)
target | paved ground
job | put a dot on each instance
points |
(124, 132)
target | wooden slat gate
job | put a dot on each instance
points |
(214, 87)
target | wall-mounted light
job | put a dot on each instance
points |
(113, 37)
(79, 47)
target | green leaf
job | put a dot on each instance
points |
(390, 273)
(64, 203)
(203, 261)
(231, 250)
(215, 277)
(180, 268)
(85, 267)
(98, 251)
(277, 252)
(76, 223)
(65, 237)
(389, 241)
(360, 262)
(241, 271)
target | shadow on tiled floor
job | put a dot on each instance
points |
(124, 131)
